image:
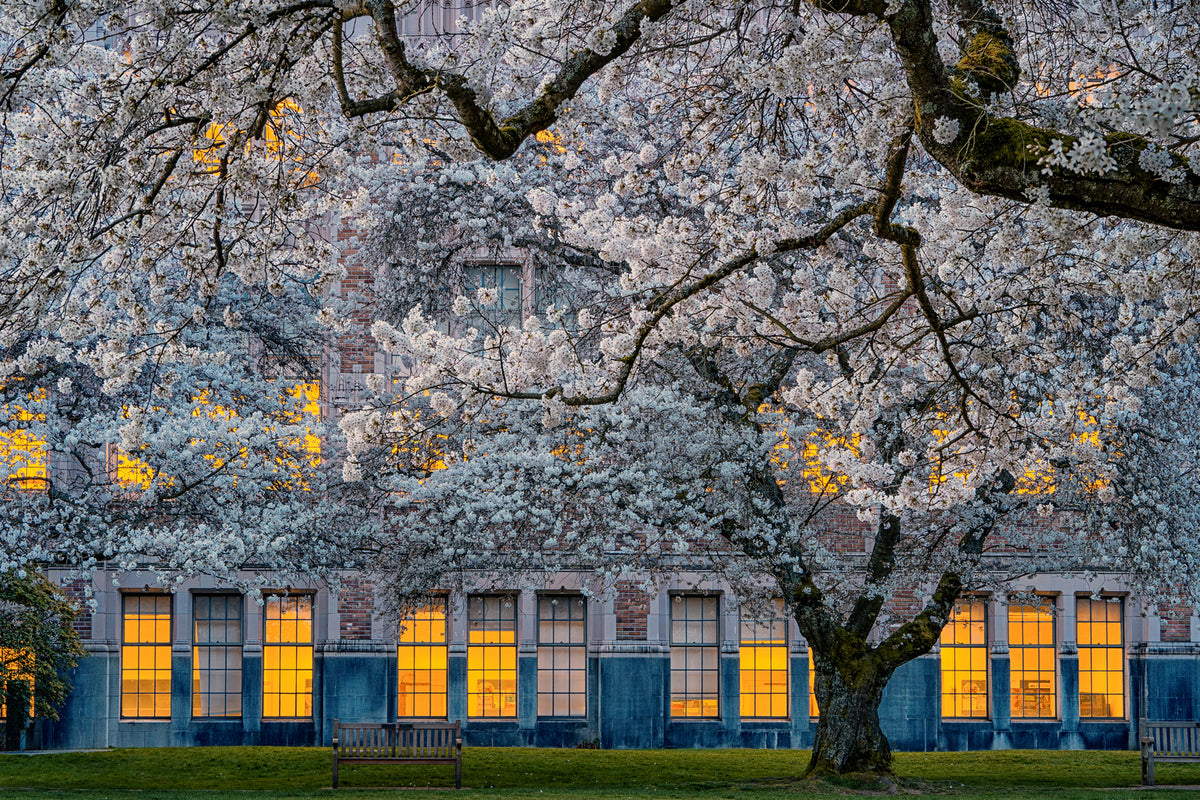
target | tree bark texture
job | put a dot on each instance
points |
(849, 739)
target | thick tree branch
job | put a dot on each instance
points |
(917, 636)
(1001, 156)
(661, 305)
(879, 567)
(498, 139)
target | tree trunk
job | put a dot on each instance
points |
(16, 698)
(849, 738)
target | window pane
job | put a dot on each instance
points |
(146, 656)
(562, 656)
(421, 655)
(695, 659)
(964, 660)
(1033, 657)
(763, 680)
(287, 656)
(1101, 658)
(217, 656)
(491, 656)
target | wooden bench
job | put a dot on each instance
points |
(398, 743)
(1167, 741)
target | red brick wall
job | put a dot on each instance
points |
(356, 347)
(75, 590)
(632, 608)
(1176, 623)
(902, 607)
(842, 531)
(356, 603)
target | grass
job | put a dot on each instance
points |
(276, 773)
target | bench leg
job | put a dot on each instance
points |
(458, 773)
(335, 772)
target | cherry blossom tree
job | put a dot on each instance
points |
(163, 322)
(931, 262)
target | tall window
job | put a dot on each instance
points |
(23, 455)
(217, 656)
(146, 656)
(287, 656)
(1101, 658)
(965, 660)
(491, 656)
(813, 709)
(695, 657)
(304, 405)
(1033, 659)
(562, 656)
(506, 280)
(763, 679)
(16, 664)
(421, 656)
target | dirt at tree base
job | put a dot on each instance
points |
(863, 783)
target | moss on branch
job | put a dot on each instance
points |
(988, 59)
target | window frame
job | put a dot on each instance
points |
(1109, 647)
(412, 647)
(297, 646)
(156, 647)
(501, 315)
(1051, 606)
(954, 648)
(209, 647)
(752, 647)
(685, 652)
(553, 648)
(502, 652)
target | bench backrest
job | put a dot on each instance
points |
(397, 740)
(1176, 738)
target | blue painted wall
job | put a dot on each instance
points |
(628, 705)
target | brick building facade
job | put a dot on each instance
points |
(678, 665)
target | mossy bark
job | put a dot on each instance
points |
(849, 738)
(849, 679)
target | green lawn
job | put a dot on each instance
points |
(209, 773)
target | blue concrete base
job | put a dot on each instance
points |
(628, 705)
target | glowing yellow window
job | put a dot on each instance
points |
(16, 665)
(421, 659)
(813, 453)
(277, 140)
(695, 657)
(146, 656)
(965, 660)
(1034, 660)
(288, 656)
(22, 454)
(491, 656)
(813, 709)
(131, 471)
(305, 401)
(763, 677)
(1101, 658)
